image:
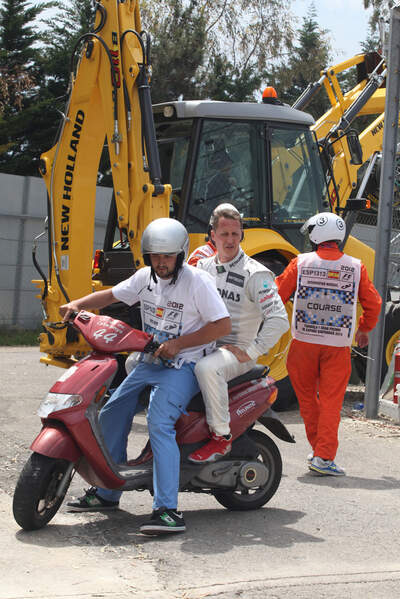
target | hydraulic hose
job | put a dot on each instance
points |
(352, 112)
(311, 90)
(148, 129)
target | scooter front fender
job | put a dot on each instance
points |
(54, 441)
(272, 422)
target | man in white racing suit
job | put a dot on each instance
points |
(251, 297)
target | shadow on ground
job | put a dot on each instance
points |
(267, 527)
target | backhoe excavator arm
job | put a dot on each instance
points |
(367, 97)
(109, 99)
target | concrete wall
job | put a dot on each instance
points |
(23, 208)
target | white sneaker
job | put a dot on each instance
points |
(310, 457)
(326, 467)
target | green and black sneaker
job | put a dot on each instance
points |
(163, 521)
(91, 502)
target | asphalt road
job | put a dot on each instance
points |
(318, 537)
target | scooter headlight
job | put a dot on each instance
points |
(53, 402)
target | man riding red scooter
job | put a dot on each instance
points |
(166, 286)
(74, 438)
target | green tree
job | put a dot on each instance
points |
(72, 20)
(229, 46)
(31, 127)
(19, 57)
(201, 48)
(372, 42)
(247, 37)
(226, 82)
(380, 8)
(178, 32)
(21, 71)
(310, 55)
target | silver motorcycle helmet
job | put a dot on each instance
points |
(165, 236)
(324, 226)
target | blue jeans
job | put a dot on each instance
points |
(171, 392)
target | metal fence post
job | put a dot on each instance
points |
(384, 225)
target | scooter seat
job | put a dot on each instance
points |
(259, 371)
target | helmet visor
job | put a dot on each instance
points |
(307, 227)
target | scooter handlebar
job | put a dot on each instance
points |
(152, 346)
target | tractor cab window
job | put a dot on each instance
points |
(225, 171)
(298, 185)
(173, 146)
(271, 173)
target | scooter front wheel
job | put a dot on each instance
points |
(35, 497)
(251, 499)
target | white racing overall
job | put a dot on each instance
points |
(250, 294)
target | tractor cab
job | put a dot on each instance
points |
(263, 159)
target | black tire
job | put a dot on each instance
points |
(35, 503)
(392, 333)
(244, 500)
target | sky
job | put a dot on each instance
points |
(347, 21)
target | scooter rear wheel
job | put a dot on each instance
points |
(246, 499)
(35, 501)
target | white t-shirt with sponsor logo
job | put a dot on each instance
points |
(170, 311)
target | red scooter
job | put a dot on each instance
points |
(71, 440)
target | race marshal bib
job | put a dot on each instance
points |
(326, 300)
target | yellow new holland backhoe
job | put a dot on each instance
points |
(180, 159)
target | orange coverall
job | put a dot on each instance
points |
(320, 373)
(204, 251)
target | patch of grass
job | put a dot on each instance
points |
(11, 336)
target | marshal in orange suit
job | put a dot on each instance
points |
(326, 284)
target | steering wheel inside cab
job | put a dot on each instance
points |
(243, 199)
(279, 213)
